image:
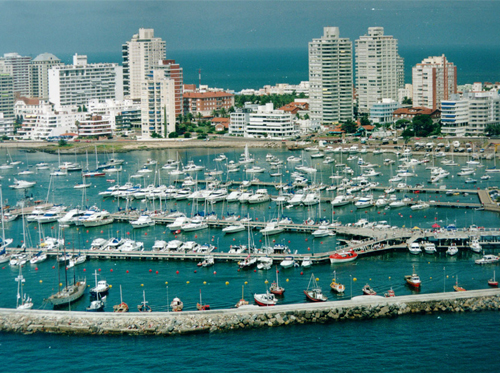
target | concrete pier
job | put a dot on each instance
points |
(251, 316)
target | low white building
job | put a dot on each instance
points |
(6, 126)
(94, 126)
(265, 121)
(382, 111)
(115, 111)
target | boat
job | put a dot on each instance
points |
(488, 259)
(287, 262)
(493, 282)
(23, 302)
(367, 290)
(208, 261)
(429, 247)
(247, 262)
(242, 302)
(200, 306)
(144, 307)
(420, 206)
(97, 219)
(266, 299)
(458, 288)
(122, 307)
(142, 222)
(306, 262)
(70, 293)
(38, 257)
(101, 288)
(322, 231)
(96, 305)
(275, 287)
(335, 286)
(390, 293)
(414, 248)
(452, 249)
(313, 292)
(264, 263)
(233, 228)
(413, 279)
(272, 228)
(176, 305)
(475, 246)
(194, 224)
(21, 184)
(343, 256)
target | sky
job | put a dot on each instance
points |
(33, 27)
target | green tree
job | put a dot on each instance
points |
(180, 118)
(187, 135)
(349, 127)
(364, 120)
(223, 112)
(492, 129)
(407, 100)
(62, 143)
(155, 135)
(421, 126)
(199, 116)
(173, 135)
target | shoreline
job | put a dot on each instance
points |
(193, 322)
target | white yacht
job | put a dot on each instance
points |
(260, 196)
(415, 248)
(194, 224)
(340, 200)
(271, 228)
(142, 221)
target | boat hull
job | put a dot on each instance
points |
(62, 298)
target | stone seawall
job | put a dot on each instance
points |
(163, 323)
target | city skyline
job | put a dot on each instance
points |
(63, 27)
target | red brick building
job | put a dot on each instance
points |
(206, 102)
(410, 113)
(174, 71)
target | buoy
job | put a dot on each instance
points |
(389, 277)
(111, 286)
(127, 271)
(142, 284)
(166, 282)
(254, 270)
(99, 270)
(157, 272)
(234, 239)
(150, 270)
(301, 272)
(307, 239)
(177, 272)
(187, 282)
(111, 270)
(146, 234)
(60, 284)
(227, 282)
(287, 280)
(195, 236)
(36, 269)
(175, 236)
(321, 242)
(354, 279)
(215, 272)
(370, 279)
(128, 233)
(41, 281)
(277, 271)
(289, 241)
(204, 283)
(317, 279)
(265, 282)
(238, 270)
(308, 249)
(84, 270)
(246, 282)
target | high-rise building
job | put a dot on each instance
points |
(140, 54)
(434, 80)
(158, 105)
(19, 68)
(7, 96)
(379, 68)
(330, 78)
(75, 85)
(174, 71)
(39, 74)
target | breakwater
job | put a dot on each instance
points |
(188, 322)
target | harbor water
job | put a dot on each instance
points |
(367, 346)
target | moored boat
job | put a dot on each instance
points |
(413, 279)
(336, 286)
(343, 256)
(367, 290)
(313, 292)
(266, 299)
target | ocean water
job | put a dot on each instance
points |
(444, 342)
(251, 68)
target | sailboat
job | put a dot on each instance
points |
(494, 169)
(242, 301)
(71, 292)
(337, 287)
(4, 257)
(200, 306)
(23, 302)
(313, 291)
(97, 304)
(458, 288)
(275, 287)
(144, 307)
(96, 172)
(122, 307)
(493, 282)
(246, 159)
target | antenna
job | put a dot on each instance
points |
(199, 77)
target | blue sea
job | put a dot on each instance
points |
(421, 343)
(250, 68)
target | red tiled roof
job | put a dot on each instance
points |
(30, 101)
(415, 111)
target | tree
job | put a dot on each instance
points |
(215, 113)
(422, 126)
(199, 116)
(364, 120)
(407, 100)
(180, 118)
(173, 135)
(187, 135)
(223, 112)
(62, 143)
(306, 116)
(402, 123)
(189, 117)
(492, 129)
(155, 135)
(349, 127)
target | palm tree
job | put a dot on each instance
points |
(180, 118)
(223, 112)
(199, 116)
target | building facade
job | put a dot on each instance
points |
(19, 68)
(39, 75)
(157, 105)
(330, 78)
(434, 80)
(75, 85)
(174, 71)
(454, 115)
(94, 126)
(379, 68)
(382, 111)
(122, 115)
(7, 97)
(139, 55)
(206, 102)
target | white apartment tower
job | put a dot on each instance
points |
(140, 54)
(379, 68)
(75, 85)
(330, 78)
(19, 68)
(434, 80)
(158, 104)
(39, 74)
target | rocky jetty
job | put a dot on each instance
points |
(163, 323)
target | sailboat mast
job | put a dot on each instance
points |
(1, 209)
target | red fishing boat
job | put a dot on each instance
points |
(343, 256)
(267, 299)
(337, 287)
(313, 291)
(413, 279)
(457, 287)
(275, 287)
(368, 290)
(390, 293)
(200, 306)
(493, 282)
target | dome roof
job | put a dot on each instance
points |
(46, 57)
